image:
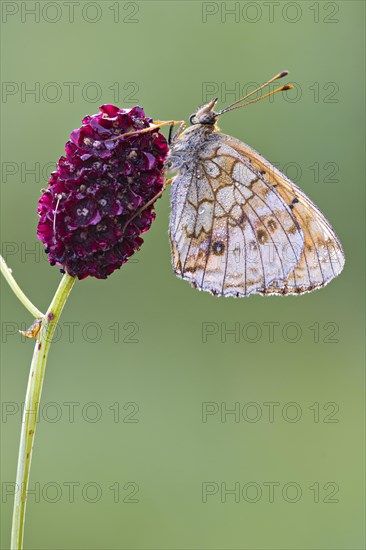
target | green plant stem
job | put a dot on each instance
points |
(6, 271)
(31, 406)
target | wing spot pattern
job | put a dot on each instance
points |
(218, 248)
(262, 236)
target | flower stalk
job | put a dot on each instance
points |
(8, 276)
(31, 406)
(97, 204)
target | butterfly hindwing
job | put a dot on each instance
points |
(231, 232)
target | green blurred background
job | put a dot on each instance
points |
(141, 359)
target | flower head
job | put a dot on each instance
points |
(92, 212)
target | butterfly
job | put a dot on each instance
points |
(239, 226)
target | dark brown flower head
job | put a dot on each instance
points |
(91, 214)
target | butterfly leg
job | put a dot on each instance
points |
(172, 138)
(154, 126)
(157, 196)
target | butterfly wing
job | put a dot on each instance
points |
(231, 233)
(322, 258)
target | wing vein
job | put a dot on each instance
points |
(227, 254)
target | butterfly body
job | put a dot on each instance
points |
(238, 225)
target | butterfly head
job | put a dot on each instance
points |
(205, 114)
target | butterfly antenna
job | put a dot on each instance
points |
(236, 105)
(282, 89)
